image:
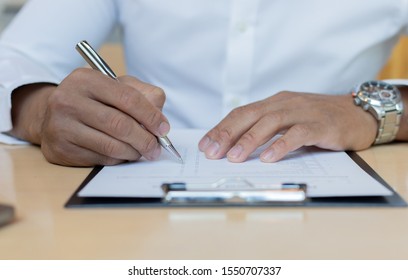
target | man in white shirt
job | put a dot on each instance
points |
(277, 66)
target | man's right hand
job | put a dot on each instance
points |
(91, 119)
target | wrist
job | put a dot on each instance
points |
(29, 104)
(402, 134)
(383, 101)
(364, 124)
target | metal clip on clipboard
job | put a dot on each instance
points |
(233, 191)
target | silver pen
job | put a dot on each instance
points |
(97, 63)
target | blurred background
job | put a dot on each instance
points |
(111, 51)
(8, 8)
(397, 66)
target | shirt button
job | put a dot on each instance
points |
(235, 102)
(242, 27)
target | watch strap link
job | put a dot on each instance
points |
(388, 125)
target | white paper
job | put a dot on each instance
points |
(326, 173)
(6, 139)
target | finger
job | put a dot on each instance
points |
(63, 135)
(125, 98)
(121, 128)
(103, 144)
(135, 104)
(297, 136)
(154, 94)
(267, 127)
(69, 154)
(223, 136)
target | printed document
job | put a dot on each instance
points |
(326, 173)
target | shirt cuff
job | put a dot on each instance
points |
(16, 71)
(397, 82)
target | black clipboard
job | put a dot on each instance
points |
(394, 200)
(6, 214)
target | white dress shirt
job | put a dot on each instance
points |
(209, 56)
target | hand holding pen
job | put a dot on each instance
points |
(90, 119)
(97, 63)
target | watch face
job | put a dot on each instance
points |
(379, 93)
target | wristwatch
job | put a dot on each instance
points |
(384, 102)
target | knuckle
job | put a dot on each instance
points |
(154, 117)
(79, 72)
(281, 144)
(58, 102)
(286, 93)
(61, 105)
(301, 130)
(79, 77)
(223, 135)
(148, 145)
(237, 112)
(109, 148)
(56, 153)
(120, 125)
(249, 137)
(306, 101)
(49, 155)
(250, 111)
(276, 117)
(158, 91)
(127, 79)
(126, 98)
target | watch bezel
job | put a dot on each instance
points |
(378, 93)
(384, 102)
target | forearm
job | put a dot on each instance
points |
(29, 105)
(402, 134)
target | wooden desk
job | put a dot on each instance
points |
(45, 230)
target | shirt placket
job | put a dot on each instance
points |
(239, 54)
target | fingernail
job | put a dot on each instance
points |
(267, 156)
(235, 152)
(164, 129)
(204, 143)
(213, 149)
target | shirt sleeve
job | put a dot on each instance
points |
(397, 82)
(404, 11)
(39, 45)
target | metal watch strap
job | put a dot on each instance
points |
(388, 125)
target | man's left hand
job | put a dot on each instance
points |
(304, 119)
